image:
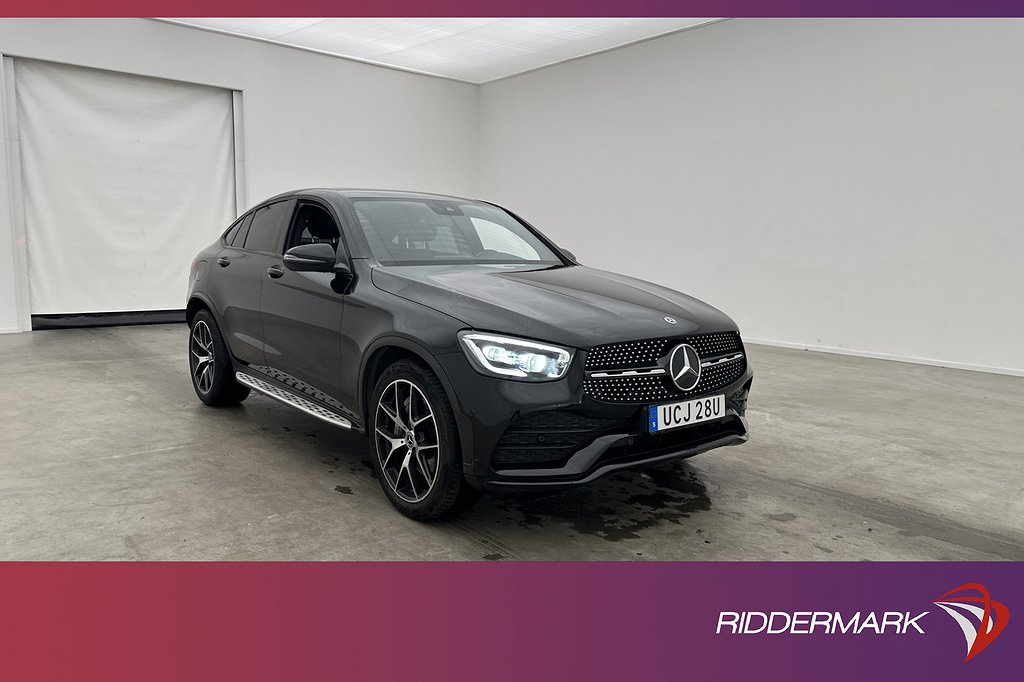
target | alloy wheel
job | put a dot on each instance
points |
(408, 445)
(201, 356)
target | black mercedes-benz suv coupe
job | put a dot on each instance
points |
(473, 352)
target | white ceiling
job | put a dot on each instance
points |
(474, 50)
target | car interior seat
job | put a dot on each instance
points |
(317, 227)
(404, 227)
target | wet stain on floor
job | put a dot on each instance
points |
(618, 507)
(615, 508)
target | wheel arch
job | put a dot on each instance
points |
(386, 351)
(197, 302)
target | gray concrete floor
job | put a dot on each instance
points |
(106, 453)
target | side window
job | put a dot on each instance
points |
(238, 235)
(264, 231)
(313, 225)
(494, 237)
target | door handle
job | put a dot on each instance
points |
(223, 261)
(275, 271)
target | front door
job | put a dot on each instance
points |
(302, 312)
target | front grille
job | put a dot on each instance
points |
(634, 354)
(551, 437)
(653, 354)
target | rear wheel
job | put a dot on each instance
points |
(210, 364)
(415, 444)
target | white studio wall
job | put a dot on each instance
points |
(855, 185)
(309, 119)
(847, 185)
(124, 178)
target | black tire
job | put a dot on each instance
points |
(214, 382)
(448, 491)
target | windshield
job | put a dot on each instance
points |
(421, 231)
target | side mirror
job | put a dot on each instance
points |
(569, 254)
(311, 258)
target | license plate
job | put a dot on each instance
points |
(675, 415)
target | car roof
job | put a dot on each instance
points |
(354, 193)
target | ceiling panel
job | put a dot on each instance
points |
(256, 28)
(472, 49)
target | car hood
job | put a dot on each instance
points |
(572, 305)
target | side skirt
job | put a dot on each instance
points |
(294, 400)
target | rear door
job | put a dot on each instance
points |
(302, 311)
(241, 269)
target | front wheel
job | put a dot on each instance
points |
(210, 363)
(415, 444)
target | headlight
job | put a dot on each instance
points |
(505, 356)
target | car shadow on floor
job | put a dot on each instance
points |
(618, 507)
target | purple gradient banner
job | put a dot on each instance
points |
(512, 8)
(595, 621)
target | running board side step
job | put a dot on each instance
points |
(288, 398)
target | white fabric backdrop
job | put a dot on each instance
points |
(125, 179)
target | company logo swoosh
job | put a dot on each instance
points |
(991, 616)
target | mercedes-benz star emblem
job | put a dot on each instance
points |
(670, 320)
(684, 366)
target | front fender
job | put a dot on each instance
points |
(412, 346)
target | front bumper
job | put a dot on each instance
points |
(542, 436)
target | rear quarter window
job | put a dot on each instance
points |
(230, 233)
(238, 235)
